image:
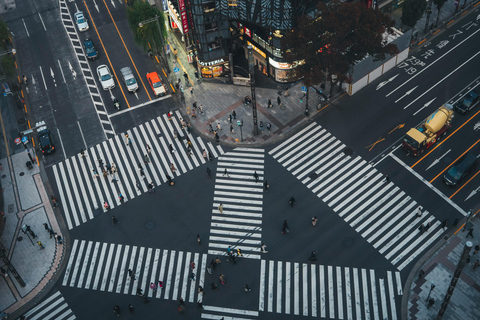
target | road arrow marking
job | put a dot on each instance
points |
(476, 126)
(113, 4)
(406, 94)
(474, 192)
(400, 126)
(74, 74)
(381, 84)
(438, 160)
(425, 105)
(96, 5)
(53, 76)
(61, 70)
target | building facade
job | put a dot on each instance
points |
(212, 29)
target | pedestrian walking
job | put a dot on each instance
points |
(82, 153)
(477, 247)
(151, 187)
(106, 206)
(234, 114)
(127, 139)
(209, 173)
(131, 274)
(217, 261)
(247, 288)
(142, 173)
(201, 109)
(40, 244)
(421, 228)
(46, 227)
(114, 220)
(137, 184)
(475, 265)
(239, 252)
(59, 239)
(255, 176)
(231, 129)
(170, 147)
(263, 248)
(192, 265)
(430, 303)
(313, 256)
(192, 276)
(131, 309)
(172, 168)
(95, 174)
(153, 287)
(269, 103)
(427, 226)
(219, 127)
(445, 224)
(200, 304)
(266, 185)
(314, 221)
(105, 174)
(292, 201)
(146, 159)
(269, 126)
(470, 233)
(285, 227)
(210, 157)
(419, 212)
(199, 240)
(175, 133)
(169, 179)
(225, 173)
(121, 198)
(52, 233)
(222, 279)
(261, 125)
(387, 178)
(160, 284)
(116, 310)
(204, 154)
(25, 80)
(230, 118)
(139, 292)
(279, 101)
(220, 208)
(214, 286)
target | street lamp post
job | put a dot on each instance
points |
(251, 69)
(469, 215)
(163, 54)
(432, 286)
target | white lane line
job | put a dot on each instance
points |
(212, 149)
(391, 295)
(313, 294)
(87, 177)
(154, 273)
(107, 267)
(130, 267)
(162, 274)
(261, 300)
(81, 133)
(431, 64)
(373, 288)
(145, 286)
(141, 253)
(398, 282)
(198, 276)
(323, 306)
(201, 281)
(63, 76)
(92, 265)
(383, 298)
(288, 281)
(177, 276)
(279, 286)
(419, 177)
(60, 191)
(331, 297)
(305, 289)
(44, 28)
(122, 269)
(358, 302)
(85, 264)
(231, 310)
(77, 263)
(186, 275)
(99, 266)
(44, 83)
(115, 268)
(339, 292)
(348, 293)
(271, 270)
(365, 294)
(70, 261)
(26, 30)
(296, 289)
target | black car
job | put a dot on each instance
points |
(46, 141)
(461, 169)
(90, 49)
(468, 102)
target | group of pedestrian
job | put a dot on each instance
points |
(108, 169)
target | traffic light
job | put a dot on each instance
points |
(301, 100)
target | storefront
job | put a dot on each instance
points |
(259, 58)
(215, 68)
(282, 71)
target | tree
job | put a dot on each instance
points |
(336, 36)
(412, 11)
(439, 4)
(147, 34)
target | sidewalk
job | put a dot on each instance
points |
(439, 269)
(27, 202)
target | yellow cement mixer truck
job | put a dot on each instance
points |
(417, 140)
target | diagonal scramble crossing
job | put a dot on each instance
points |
(378, 210)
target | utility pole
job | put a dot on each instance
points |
(11, 268)
(456, 276)
(251, 69)
(429, 11)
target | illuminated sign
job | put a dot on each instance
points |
(173, 14)
(183, 15)
(210, 63)
(257, 50)
(247, 31)
(284, 65)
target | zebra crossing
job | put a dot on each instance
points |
(238, 223)
(378, 210)
(54, 307)
(82, 193)
(104, 267)
(329, 291)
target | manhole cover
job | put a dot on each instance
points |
(149, 225)
(348, 242)
(20, 238)
(97, 212)
(22, 174)
(381, 273)
(313, 175)
(348, 151)
(10, 208)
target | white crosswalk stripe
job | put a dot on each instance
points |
(238, 222)
(212, 312)
(108, 266)
(53, 307)
(378, 210)
(328, 291)
(81, 193)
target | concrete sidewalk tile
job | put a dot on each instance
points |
(27, 190)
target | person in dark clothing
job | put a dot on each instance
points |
(292, 201)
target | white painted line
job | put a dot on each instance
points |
(358, 301)
(391, 295)
(365, 294)
(398, 282)
(107, 267)
(348, 294)
(288, 281)
(92, 265)
(69, 195)
(313, 293)
(154, 273)
(305, 289)
(270, 285)
(332, 150)
(393, 231)
(85, 264)
(176, 284)
(373, 289)
(186, 275)
(296, 289)
(145, 286)
(331, 297)
(137, 271)
(99, 266)
(279, 286)
(231, 310)
(139, 106)
(122, 174)
(201, 281)
(162, 274)
(339, 292)
(87, 176)
(62, 196)
(293, 139)
(383, 298)
(379, 212)
(261, 300)
(421, 249)
(121, 275)
(70, 261)
(198, 275)
(26, 30)
(44, 28)
(323, 305)
(130, 267)
(419, 177)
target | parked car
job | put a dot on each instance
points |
(90, 49)
(468, 102)
(156, 84)
(460, 170)
(45, 138)
(82, 23)
(129, 79)
(105, 77)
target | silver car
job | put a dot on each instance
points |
(105, 77)
(82, 23)
(129, 79)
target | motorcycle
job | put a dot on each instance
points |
(116, 103)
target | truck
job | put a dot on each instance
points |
(419, 139)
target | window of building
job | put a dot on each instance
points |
(232, 3)
(211, 26)
(208, 6)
